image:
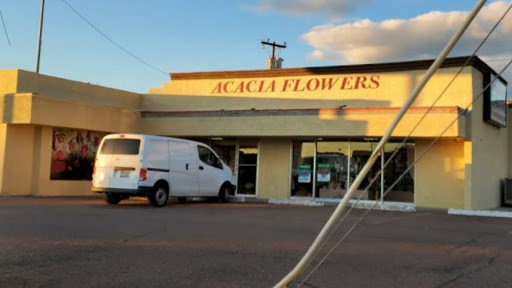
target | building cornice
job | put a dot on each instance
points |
(333, 70)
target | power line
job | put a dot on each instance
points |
(112, 41)
(5, 29)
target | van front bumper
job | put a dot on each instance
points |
(141, 191)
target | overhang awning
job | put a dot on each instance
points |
(326, 122)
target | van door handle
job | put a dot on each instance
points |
(201, 168)
(186, 166)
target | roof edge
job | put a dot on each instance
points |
(473, 61)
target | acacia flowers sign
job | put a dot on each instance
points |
(296, 84)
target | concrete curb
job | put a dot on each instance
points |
(481, 213)
(295, 202)
(363, 204)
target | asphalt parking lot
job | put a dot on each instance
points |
(83, 242)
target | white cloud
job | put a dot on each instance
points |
(303, 7)
(317, 54)
(421, 37)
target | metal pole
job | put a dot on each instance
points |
(299, 268)
(40, 36)
(381, 196)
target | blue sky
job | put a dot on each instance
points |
(204, 35)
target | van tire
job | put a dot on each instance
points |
(224, 194)
(158, 196)
(112, 199)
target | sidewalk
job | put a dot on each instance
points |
(501, 212)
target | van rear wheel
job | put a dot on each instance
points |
(158, 197)
(112, 199)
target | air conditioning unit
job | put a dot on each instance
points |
(507, 192)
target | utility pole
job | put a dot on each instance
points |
(272, 62)
(40, 36)
(274, 45)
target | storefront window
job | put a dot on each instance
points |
(303, 153)
(339, 162)
(360, 153)
(332, 169)
(403, 190)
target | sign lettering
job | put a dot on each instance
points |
(296, 85)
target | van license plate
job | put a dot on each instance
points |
(125, 174)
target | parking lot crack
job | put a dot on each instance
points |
(462, 247)
(468, 272)
(135, 237)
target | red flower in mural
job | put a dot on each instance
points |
(96, 141)
(88, 136)
(84, 150)
(71, 145)
(60, 155)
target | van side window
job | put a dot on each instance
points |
(208, 157)
(120, 146)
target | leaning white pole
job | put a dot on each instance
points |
(299, 268)
(40, 37)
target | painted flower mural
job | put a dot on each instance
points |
(73, 153)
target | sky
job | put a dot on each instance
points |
(134, 45)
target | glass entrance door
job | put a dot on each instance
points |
(247, 167)
(303, 157)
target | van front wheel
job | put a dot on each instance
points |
(158, 197)
(224, 194)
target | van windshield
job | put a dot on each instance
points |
(120, 146)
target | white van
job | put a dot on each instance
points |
(158, 168)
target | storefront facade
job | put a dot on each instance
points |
(299, 133)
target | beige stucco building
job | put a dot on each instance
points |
(299, 133)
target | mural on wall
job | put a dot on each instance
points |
(73, 153)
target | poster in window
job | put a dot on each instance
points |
(324, 172)
(304, 174)
(73, 153)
